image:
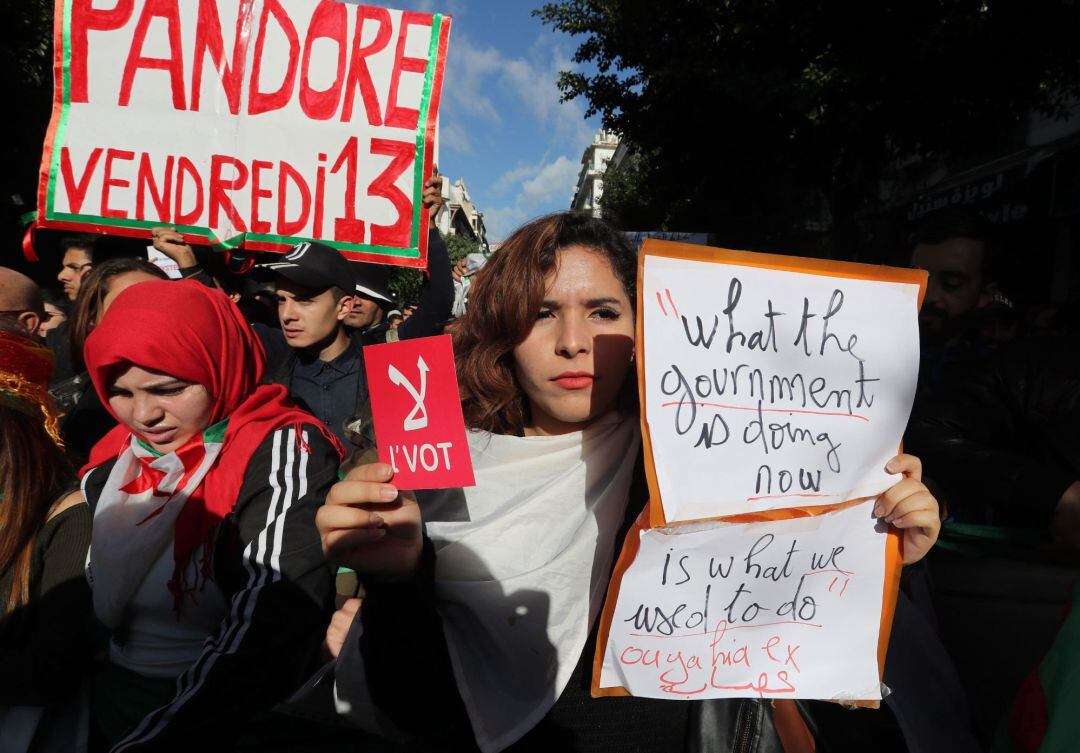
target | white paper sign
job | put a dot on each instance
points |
(787, 609)
(254, 122)
(164, 263)
(769, 389)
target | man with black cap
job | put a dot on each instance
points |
(314, 355)
(369, 318)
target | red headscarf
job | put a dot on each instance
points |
(195, 333)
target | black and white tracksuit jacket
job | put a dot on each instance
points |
(269, 565)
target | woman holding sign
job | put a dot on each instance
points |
(489, 598)
(204, 562)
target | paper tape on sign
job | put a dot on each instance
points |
(786, 609)
(257, 123)
(768, 387)
(419, 427)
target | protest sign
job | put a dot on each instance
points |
(164, 263)
(769, 381)
(790, 608)
(252, 123)
(773, 391)
(419, 428)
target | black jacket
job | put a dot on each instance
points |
(268, 563)
(1000, 433)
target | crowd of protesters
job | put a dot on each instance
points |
(186, 464)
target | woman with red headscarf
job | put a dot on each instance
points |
(205, 563)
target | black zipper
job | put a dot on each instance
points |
(743, 731)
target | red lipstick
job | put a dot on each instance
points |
(574, 380)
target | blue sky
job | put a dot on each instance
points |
(503, 128)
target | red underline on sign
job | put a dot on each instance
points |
(786, 496)
(842, 572)
(729, 627)
(768, 410)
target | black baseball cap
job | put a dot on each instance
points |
(373, 281)
(313, 265)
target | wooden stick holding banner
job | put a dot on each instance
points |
(251, 124)
(773, 392)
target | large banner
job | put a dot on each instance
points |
(253, 123)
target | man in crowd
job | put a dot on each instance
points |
(78, 258)
(21, 307)
(954, 246)
(78, 251)
(315, 354)
(997, 429)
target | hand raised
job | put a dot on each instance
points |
(172, 244)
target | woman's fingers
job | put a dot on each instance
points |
(361, 493)
(344, 545)
(920, 500)
(371, 472)
(920, 530)
(339, 627)
(384, 541)
(921, 518)
(342, 516)
(909, 506)
(892, 496)
(909, 465)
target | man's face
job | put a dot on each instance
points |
(73, 268)
(309, 316)
(365, 312)
(956, 287)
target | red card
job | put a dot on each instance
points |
(416, 407)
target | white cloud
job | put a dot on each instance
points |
(455, 138)
(512, 177)
(469, 71)
(531, 190)
(499, 221)
(478, 77)
(554, 181)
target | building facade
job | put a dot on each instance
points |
(590, 183)
(459, 214)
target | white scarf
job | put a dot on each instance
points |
(523, 560)
(132, 530)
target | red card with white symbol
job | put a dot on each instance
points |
(416, 407)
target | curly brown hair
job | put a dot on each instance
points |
(505, 298)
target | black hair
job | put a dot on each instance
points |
(961, 222)
(85, 242)
(56, 298)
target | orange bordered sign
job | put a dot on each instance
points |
(743, 577)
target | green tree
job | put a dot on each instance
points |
(405, 283)
(752, 117)
(26, 85)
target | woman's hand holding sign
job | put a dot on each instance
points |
(909, 506)
(371, 527)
